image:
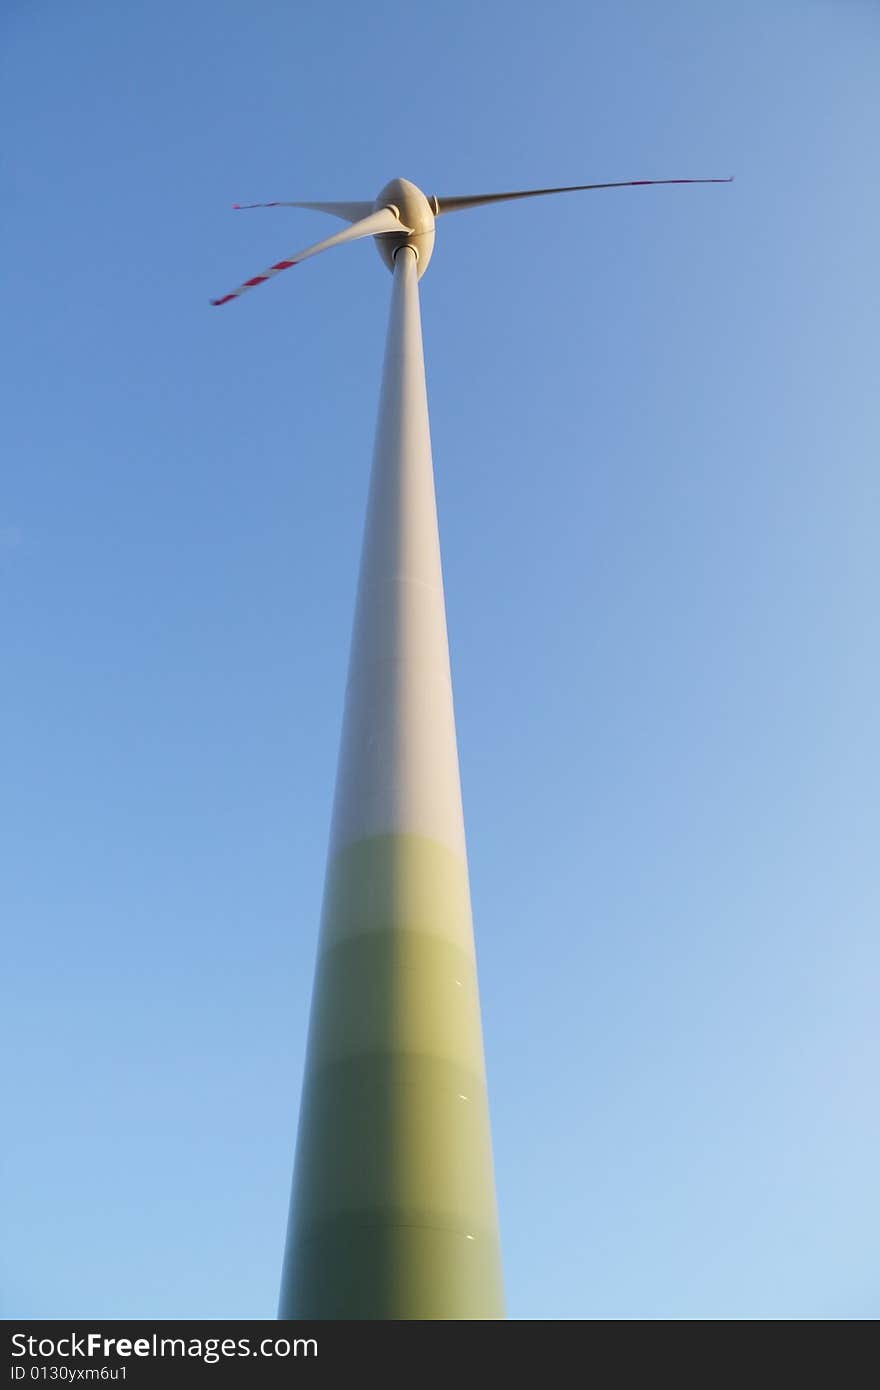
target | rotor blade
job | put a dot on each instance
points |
(477, 200)
(378, 222)
(349, 212)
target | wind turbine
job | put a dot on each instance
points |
(393, 1212)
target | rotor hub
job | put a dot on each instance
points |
(414, 211)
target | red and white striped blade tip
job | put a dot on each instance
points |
(256, 280)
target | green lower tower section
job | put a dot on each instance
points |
(394, 1213)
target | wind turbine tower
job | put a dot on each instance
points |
(393, 1212)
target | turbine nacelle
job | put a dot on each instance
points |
(416, 212)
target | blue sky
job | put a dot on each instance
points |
(655, 420)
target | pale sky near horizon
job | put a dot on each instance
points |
(656, 426)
